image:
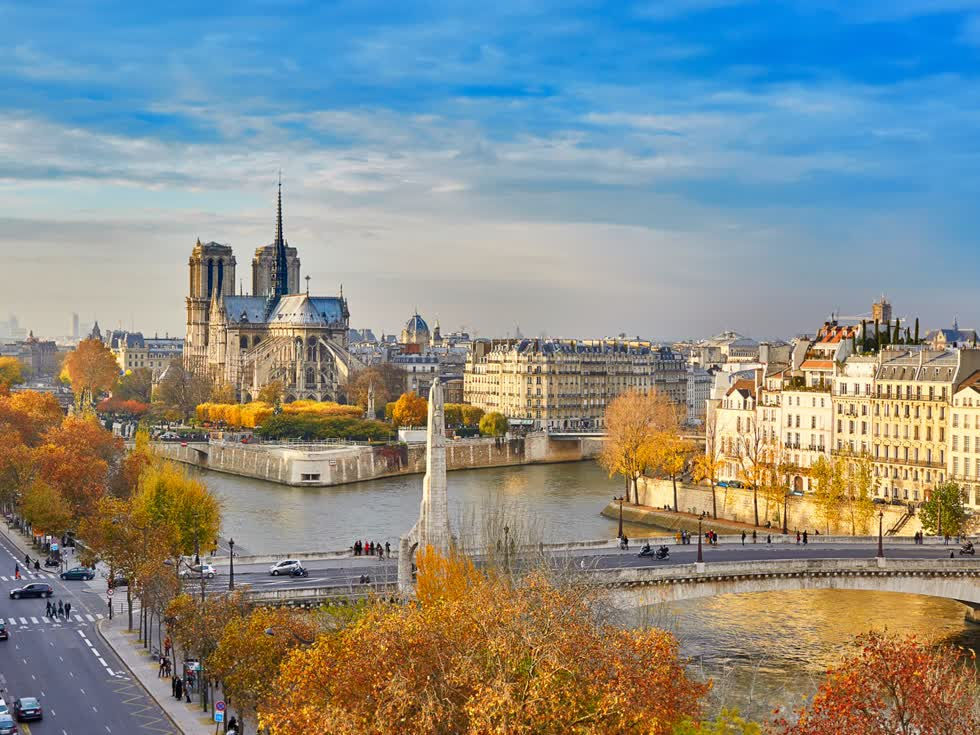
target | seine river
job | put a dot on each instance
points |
(762, 650)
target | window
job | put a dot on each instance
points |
(956, 420)
(956, 445)
(311, 477)
(813, 422)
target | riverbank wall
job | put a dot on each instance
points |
(735, 504)
(321, 465)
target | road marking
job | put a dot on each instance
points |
(90, 618)
(98, 616)
(23, 621)
(104, 664)
(79, 619)
(35, 621)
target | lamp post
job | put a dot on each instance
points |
(700, 555)
(507, 548)
(785, 501)
(881, 520)
(231, 564)
(620, 516)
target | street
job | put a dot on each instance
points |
(82, 686)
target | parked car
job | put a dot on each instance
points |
(879, 501)
(897, 501)
(169, 436)
(199, 570)
(35, 589)
(118, 581)
(78, 573)
(4, 635)
(7, 725)
(27, 708)
(286, 566)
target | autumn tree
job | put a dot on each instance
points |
(223, 392)
(387, 379)
(828, 495)
(472, 415)
(706, 466)
(91, 368)
(135, 385)
(250, 650)
(753, 462)
(944, 513)
(493, 424)
(45, 508)
(895, 686)
(483, 654)
(634, 422)
(181, 390)
(860, 489)
(410, 410)
(12, 371)
(271, 392)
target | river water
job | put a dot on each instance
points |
(761, 650)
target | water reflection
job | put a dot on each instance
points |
(557, 502)
(770, 649)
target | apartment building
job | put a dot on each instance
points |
(133, 350)
(853, 387)
(560, 384)
(964, 439)
(911, 404)
(737, 437)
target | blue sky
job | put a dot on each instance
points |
(660, 168)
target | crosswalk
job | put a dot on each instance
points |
(30, 620)
(28, 575)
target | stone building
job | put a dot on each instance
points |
(964, 439)
(563, 384)
(275, 334)
(133, 350)
(39, 356)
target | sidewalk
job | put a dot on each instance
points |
(187, 718)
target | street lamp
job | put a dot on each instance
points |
(231, 564)
(881, 548)
(700, 555)
(620, 516)
(785, 501)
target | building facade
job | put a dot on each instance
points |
(964, 439)
(133, 351)
(276, 334)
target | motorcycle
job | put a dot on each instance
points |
(967, 550)
(646, 551)
(300, 572)
(49, 562)
(663, 552)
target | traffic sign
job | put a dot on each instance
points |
(219, 716)
(220, 706)
(109, 591)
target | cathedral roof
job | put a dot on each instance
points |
(298, 309)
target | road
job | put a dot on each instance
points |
(84, 689)
(345, 573)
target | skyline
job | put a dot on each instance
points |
(669, 169)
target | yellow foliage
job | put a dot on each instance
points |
(251, 415)
(444, 578)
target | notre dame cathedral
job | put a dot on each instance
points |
(277, 334)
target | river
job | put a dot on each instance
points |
(761, 650)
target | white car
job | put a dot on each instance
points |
(199, 570)
(286, 566)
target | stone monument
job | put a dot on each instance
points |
(432, 527)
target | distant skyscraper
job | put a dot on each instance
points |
(74, 325)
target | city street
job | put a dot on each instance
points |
(82, 686)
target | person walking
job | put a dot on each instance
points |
(16, 570)
(173, 686)
(61, 608)
(388, 549)
(743, 538)
(797, 538)
(178, 687)
(753, 536)
(67, 611)
(804, 538)
(163, 667)
(768, 539)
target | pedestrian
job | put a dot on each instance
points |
(804, 538)
(178, 687)
(768, 539)
(626, 542)
(753, 536)
(797, 538)
(47, 609)
(166, 646)
(187, 691)
(388, 549)
(67, 611)
(381, 552)
(163, 667)
(16, 570)
(173, 686)
(370, 548)
(743, 538)
(61, 608)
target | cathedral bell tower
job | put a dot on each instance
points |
(212, 273)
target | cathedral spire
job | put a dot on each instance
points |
(280, 272)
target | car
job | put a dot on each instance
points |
(286, 566)
(169, 436)
(35, 589)
(78, 573)
(898, 501)
(27, 708)
(879, 501)
(7, 725)
(118, 581)
(796, 493)
(4, 635)
(199, 570)
(4, 709)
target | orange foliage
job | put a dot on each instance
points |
(92, 369)
(410, 410)
(484, 656)
(118, 405)
(251, 415)
(895, 685)
(29, 414)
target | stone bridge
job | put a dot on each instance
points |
(954, 579)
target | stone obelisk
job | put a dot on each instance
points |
(369, 412)
(432, 527)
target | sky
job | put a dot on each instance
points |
(663, 169)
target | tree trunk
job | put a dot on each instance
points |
(755, 503)
(673, 479)
(714, 501)
(129, 605)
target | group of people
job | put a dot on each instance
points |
(372, 548)
(178, 689)
(62, 610)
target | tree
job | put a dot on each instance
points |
(487, 655)
(12, 371)
(916, 335)
(271, 393)
(180, 390)
(671, 456)
(944, 513)
(135, 385)
(829, 495)
(247, 658)
(387, 378)
(861, 485)
(895, 686)
(223, 392)
(410, 410)
(753, 462)
(472, 415)
(706, 466)
(728, 722)
(634, 422)
(91, 369)
(46, 510)
(493, 424)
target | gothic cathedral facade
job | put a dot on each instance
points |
(277, 333)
